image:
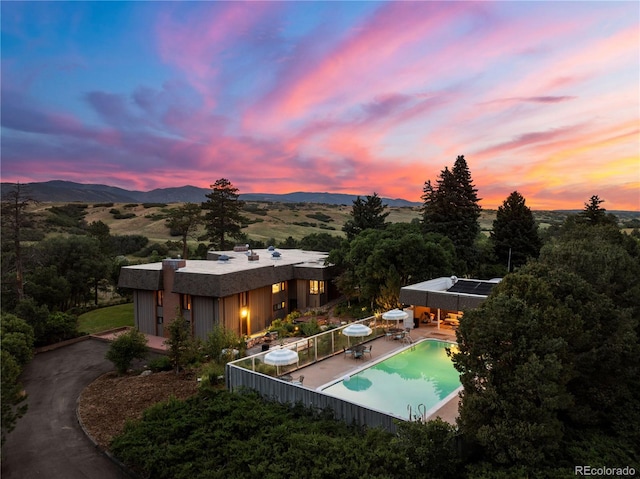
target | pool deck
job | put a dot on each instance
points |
(336, 367)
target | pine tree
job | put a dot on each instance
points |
(593, 214)
(367, 214)
(223, 213)
(515, 233)
(14, 216)
(451, 208)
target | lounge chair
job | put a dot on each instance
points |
(298, 381)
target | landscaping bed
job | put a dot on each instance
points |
(111, 400)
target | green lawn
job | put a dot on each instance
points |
(106, 318)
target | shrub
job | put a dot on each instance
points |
(162, 363)
(60, 327)
(154, 205)
(218, 340)
(212, 374)
(125, 348)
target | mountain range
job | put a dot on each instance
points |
(68, 191)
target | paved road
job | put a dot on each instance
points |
(48, 441)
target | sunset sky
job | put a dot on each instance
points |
(342, 97)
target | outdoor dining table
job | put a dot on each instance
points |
(358, 351)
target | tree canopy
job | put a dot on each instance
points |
(550, 361)
(378, 262)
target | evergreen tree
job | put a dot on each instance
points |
(183, 222)
(14, 217)
(515, 233)
(549, 362)
(366, 214)
(451, 208)
(223, 214)
(593, 214)
(12, 396)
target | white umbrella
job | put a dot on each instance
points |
(358, 329)
(281, 357)
(395, 315)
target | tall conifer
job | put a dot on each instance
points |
(451, 208)
(515, 233)
(223, 213)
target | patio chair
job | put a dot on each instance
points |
(298, 381)
(367, 350)
(347, 352)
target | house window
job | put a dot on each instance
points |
(279, 306)
(185, 301)
(159, 297)
(276, 288)
(316, 287)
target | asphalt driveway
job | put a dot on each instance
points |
(48, 442)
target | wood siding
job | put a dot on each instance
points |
(203, 316)
(145, 311)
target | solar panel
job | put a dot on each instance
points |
(472, 287)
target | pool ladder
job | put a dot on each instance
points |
(422, 413)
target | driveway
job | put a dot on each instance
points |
(48, 442)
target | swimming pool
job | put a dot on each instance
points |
(415, 381)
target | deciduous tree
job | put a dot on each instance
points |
(378, 262)
(125, 348)
(184, 221)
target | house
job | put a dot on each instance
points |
(243, 290)
(444, 299)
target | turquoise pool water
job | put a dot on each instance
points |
(417, 380)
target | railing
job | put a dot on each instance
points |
(253, 373)
(310, 350)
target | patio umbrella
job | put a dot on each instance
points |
(357, 330)
(395, 315)
(281, 357)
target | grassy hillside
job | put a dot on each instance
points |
(266, 220)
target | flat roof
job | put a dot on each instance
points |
(448, 293)
(238, 261)
(454, 285)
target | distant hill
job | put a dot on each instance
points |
(68, 191)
